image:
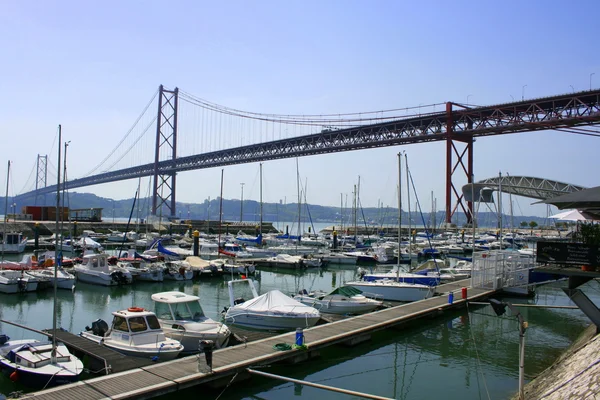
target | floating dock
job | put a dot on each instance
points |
(158, 379)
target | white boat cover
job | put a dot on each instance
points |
(276, 301)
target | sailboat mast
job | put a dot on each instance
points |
(409, 218)
(399, 207)
(299, 198)
(5, 210)
(500, 209)
(221, 211)
(56, 251)
(261, 205)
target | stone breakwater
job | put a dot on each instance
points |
(575, 375)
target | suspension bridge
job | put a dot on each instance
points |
(189, 133)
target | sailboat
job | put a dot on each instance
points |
(396, 285)
(39, 364)
(12, 280)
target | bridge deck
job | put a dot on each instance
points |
(155, 380)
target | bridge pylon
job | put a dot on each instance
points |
(454, 141)
(166, 149)
(41, 176)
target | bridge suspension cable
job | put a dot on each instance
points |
(342, 119)
(118, 146)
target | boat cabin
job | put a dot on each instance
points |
(135, 326)
(177, 306)
(96, 262)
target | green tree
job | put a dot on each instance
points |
(532, 225)
(524, 224)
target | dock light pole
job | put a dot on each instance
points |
(242, 203)
(468, 98)
(592, 74)
(523, 92)
(500, 308)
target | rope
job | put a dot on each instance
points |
(225, 388)
(478, 360)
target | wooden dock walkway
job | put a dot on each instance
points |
(101, 357)
(155, 380)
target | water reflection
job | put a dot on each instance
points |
(457, 355)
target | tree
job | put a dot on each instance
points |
(524, 224)
(532, 225)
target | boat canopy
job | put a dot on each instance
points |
(347, 291)
(274, 300)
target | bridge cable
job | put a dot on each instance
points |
(126, 135)
(30, 175)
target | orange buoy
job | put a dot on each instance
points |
(135, 309)
(14, 376)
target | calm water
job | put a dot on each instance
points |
(463, 354)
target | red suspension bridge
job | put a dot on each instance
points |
(221, 136)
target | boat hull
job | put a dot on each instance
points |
(270, 322)
(338, 307)
(394, 292)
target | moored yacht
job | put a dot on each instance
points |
(135, 332)
(182, 318)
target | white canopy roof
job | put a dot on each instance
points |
(276, 301)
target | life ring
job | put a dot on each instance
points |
(135, 309)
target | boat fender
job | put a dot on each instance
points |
(14, 376)
(182, 271)
(135, 309)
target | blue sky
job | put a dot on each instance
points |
(92, 67)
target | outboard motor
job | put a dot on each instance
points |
(3, 339)
(119, 277)
(99, 327)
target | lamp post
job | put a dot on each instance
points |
(242, 203)
(592, 74)
(572, 89)
(523, 92)
(500, 308)
(468, 98)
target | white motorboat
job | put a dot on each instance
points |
(393, 290)
(64, 279)
(230, 267)
(182, 318)
(95, 269)
(177, 271)
(13, 243)
(33, 363)
(270, 311)
(338, 258)
(13, 281)
(343, 300)
(289, 261)
(134, 332)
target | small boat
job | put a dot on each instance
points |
(343, 300)
(338, 258)
(394, 290)
(230, 267)
(134, 332)
(64, 279)
(13, 243)
(270, 311)
(182, 318)
(177, 271)
(96, 269)
(289, 261)
(13, 281)
(31, 362)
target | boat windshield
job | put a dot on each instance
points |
(187, 311)
(153, 322)
(137, 324)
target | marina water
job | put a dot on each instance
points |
(468, 353)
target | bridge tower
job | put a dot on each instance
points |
(41, 176)
(166, 149)
(461, 146)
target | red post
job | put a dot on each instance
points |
(464, 293)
